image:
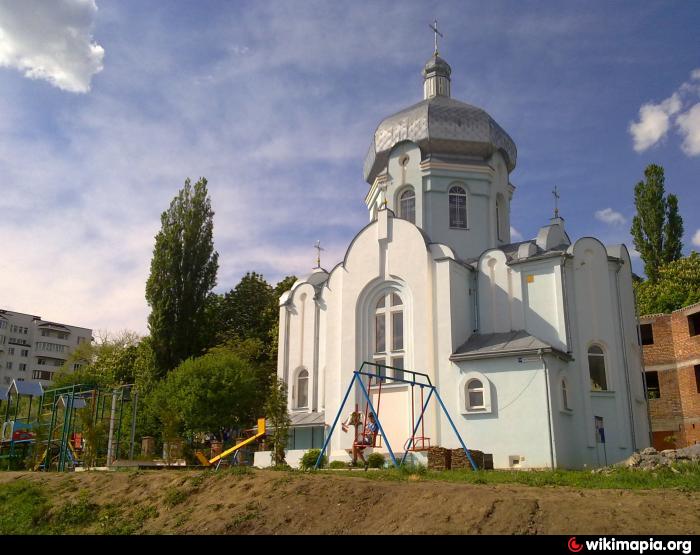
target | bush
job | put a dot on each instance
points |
(376, 460)
(338, 464)
(308, 461)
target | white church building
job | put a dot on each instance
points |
(532, 345)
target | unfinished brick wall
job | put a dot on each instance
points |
(674, 355)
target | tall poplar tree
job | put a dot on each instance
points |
(183, 273)
(657, 228)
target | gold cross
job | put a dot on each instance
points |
(318, 248)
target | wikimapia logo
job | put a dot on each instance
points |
(639, 546)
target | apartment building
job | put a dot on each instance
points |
(671, 344)
(33, 349)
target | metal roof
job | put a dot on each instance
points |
(33, 389)
(491, 345)
(439, 125)
(308, 418)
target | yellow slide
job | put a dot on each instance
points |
(259, 433)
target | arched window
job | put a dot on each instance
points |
(407, 205)
(302, 389)
(596, 368)
(475, 395)
(565, 396)
(388, 333)
(458, 207)
(500, 218)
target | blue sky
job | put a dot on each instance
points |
(106, 110)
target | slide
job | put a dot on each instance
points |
(258, 434)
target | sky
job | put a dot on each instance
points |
(107, 106)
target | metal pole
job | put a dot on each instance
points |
(119, 426)
(420, 418)
(379, 424)
(111, 427)
(337, 416)
(454, 428)
(133, 425)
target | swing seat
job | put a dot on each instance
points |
(420, 443)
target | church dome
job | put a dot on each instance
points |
(439, 125)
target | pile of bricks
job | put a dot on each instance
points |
(439, 458)
(483, 461)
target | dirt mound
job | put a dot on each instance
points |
(268, 502)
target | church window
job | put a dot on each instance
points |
(475, 394)
(302, 389)
(596, 368)
(389, 334)
(565, 395)
(407, 205)
(458, 207)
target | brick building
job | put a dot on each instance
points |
(671, 344)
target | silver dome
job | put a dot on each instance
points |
(439, 125)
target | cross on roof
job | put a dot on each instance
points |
(318, 248)
(434, 27)
(555, 192)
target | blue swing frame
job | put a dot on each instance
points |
(426, 383)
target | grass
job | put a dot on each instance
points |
(174, 496)
(684, 477)
(24, 508)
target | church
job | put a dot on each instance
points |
(533, 345)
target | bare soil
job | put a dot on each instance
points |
(268, 502)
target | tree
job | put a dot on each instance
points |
(678, 285)
(657, 228)
(183, 273)
(245, 312)
(107, 362)
(205, 393)
(278, 417)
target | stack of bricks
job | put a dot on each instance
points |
(459, 459)
(439, 458)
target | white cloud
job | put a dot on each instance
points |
(609, 216)
(515, 235)
(654, 122)
(695, 74)
(689, 126)
(51, 41)
(696, 238)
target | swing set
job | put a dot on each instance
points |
(377, 374)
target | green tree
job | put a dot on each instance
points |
(678, 285)
(278, 418)
(109, 361)
(657, 228)
(205, 393)
(245, 312)
(183, 273)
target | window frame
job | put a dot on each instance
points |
(297, 377)
(453, 192)
(466, 408)
(385, 309)
(402, 193)
(604, 357)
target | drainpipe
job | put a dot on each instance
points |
(476, 300)
(624, 357)
(549, 408)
